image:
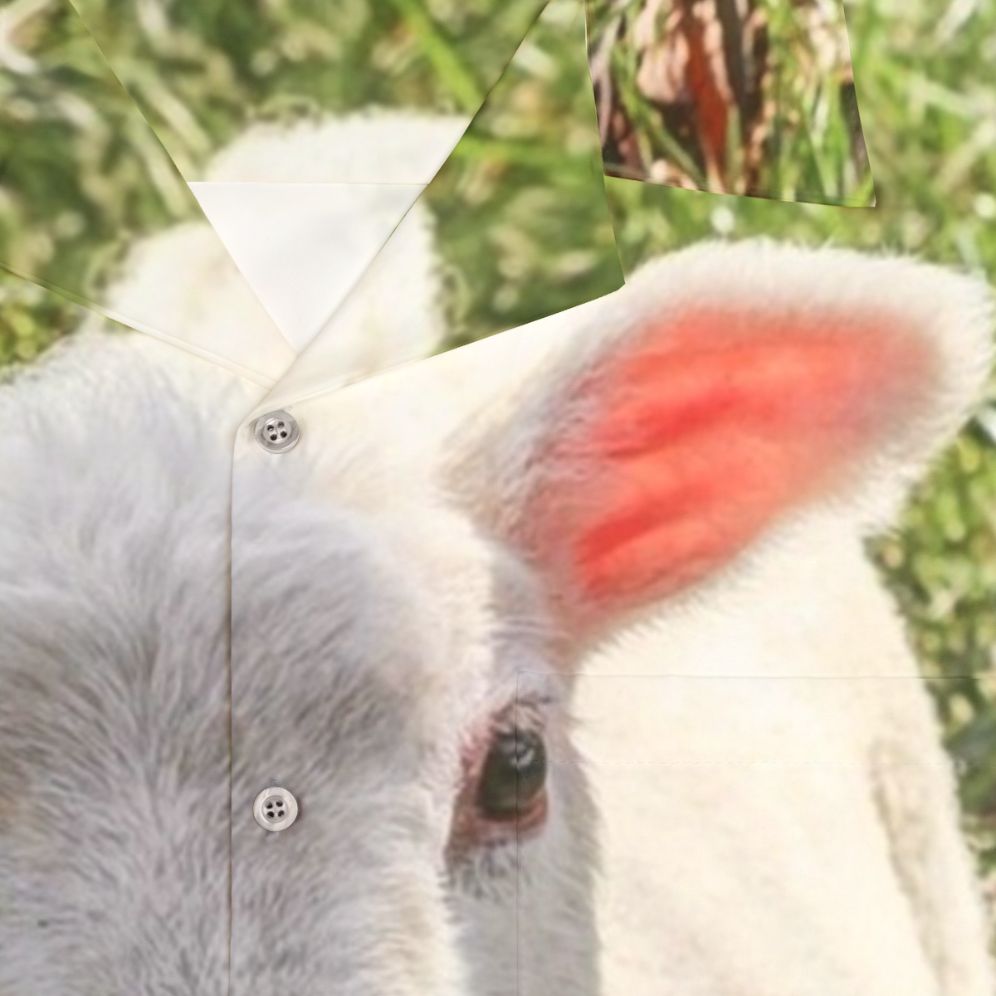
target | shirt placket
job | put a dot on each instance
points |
(285, 856)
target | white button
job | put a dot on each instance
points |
(277, 432)
(275, 808)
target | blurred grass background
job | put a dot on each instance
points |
(81, 178)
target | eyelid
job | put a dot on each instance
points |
(526, 714)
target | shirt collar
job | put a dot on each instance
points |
(317, 258)
(303, 210)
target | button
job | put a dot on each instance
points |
(277, 432)
(275, 808)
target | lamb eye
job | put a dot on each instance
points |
(513, 777)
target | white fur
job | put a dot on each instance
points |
(376, 622)
(779, 729)
(378, 146)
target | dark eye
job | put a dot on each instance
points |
(513, 778)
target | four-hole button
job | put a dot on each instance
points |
(275, 808)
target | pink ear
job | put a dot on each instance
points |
(694, 435)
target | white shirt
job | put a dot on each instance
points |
(275, 629)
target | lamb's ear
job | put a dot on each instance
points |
(724, 387)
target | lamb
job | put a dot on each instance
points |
(671, 482)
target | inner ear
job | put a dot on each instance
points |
(727, 387)
(701, 434)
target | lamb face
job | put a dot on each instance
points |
(390, 624)
(651, 458)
